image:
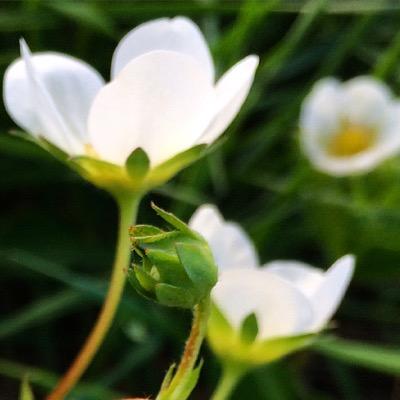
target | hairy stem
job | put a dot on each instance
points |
(189, 357)
(128, 206)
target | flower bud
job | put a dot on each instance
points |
(175, 267)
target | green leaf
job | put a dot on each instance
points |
(138, 164)
(378, 358)
(42, 310)
(165, 171)
(26, 391)
(199, 265)
(47, 380)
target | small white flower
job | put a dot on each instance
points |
(162, 96)
(351, 127)
(288, 298)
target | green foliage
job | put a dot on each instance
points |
(378, 358)
(57, 232)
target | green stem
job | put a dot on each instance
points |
(178, 385)
(128, 205)
(230, 377)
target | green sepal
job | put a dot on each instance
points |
(136, 176)
(168, 266)
(25, 392)
(234, 346)
(173, 296)
(40, 141)
(185, 388)
(249, 329)
(173, 220)
(146, 234)
(102, 173)
(166, 170)
(273, 349)
(199, 265)
(53, 150)
(143, 231)
(133, 279)
(138, 165)
(168, 377)
(145, 279)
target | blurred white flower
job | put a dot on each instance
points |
(162, 96)
(349, 128)
(288, 298)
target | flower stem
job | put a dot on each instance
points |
(128, 206)
(231, 375)
(177, 386)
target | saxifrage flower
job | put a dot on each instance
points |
(351, 127)
(289, 300)
(163, 100)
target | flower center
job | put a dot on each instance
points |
(351, 140)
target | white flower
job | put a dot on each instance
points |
(162, 96)
(351, 127)
(288, 298)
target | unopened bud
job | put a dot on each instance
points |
(175, 267)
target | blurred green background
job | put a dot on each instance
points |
(57, 232)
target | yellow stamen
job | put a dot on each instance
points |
(351, 140)
(90, 151)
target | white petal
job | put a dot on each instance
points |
(232, 90)
(206, 220)
(280, 308)
(230, 245)
(49, 95)
(327, 297)
(305, 277)
(366, 101)
(161, 101)
(320, 112)
(178, 34)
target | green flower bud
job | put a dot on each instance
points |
(175, 267)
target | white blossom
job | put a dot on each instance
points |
(288, 298)
(162, 97)
(351, 127)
